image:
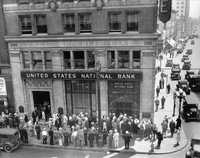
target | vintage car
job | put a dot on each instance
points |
(188, 52)
(190, 110)
(9, 139)
(194, 150)
(169, 63)
(184, 57)
(175, 72)
(188, 74)
(175, 75)
(184, 85)
(194, 82)
(186, 65)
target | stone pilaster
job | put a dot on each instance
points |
(101, 58)
(147, 83)
(58, 85)
(19, 95)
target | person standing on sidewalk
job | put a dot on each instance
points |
(157, 91)
(172, 126)
(168, 88)
(157, 102)
(127, 138)
(51, 133)
(116, 138)
(178, 122)
(178, 138)
(163, 102)
(160, 138)
(164, 125)
(38, 130)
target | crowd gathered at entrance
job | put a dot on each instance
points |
(83, 130)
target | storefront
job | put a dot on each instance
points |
(81, 91)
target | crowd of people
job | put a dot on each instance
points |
(83, 130)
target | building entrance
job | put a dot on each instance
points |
(42, 102)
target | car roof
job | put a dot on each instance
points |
(183, 81)
(187, 61)
(8, 131)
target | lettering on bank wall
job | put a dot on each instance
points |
(79, 75)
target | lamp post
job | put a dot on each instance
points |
(180, 101)
(174, 97)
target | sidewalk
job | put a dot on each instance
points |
(140, 146)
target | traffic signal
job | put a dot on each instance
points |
(165, 7)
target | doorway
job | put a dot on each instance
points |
(42, 102)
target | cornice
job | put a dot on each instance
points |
(82, 37)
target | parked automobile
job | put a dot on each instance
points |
(191, 108)
(175, 72)
(169, 63)
(184, 57)
(194, 150)
(175, 75)
(176, 67)
(9, 139)
(188, 74)
(184, 85)
(188, 52)
(186, 65)
(194, 82)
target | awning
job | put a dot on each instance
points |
(172, 42)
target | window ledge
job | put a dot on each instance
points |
(26, 35)
(41, 34)
(133, 32)
(115, 32)
(69, 33)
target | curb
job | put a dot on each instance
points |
(151, 153)
(106, 150)
(100, 149)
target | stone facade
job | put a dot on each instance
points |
(100, 40)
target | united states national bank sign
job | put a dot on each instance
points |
(82, 75)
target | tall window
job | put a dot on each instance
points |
(91, 59)
(123, 59)
(132, 21)
(48, 60)
(111, 59)
(79, 60)
(41, 24)
(25, 24)
(114, 22)
(26, 57)
(37, 60)
(67, 62)
(136, 59)
(68, 23)
(85, 22)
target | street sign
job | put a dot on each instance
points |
(165, 7)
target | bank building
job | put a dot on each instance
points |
(83, 54)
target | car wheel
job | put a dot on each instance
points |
(7, 148)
